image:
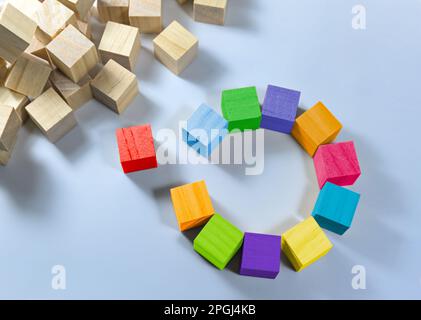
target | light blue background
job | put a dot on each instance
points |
(117, 236)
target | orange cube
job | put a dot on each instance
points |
(315, 127)
(192, 205)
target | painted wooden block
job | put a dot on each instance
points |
(38, 48)
(136, 148)
(305, 243)
(15, 100)
(218, 241)
(80, 7)
(52, 115)
(73, 53)
(261, 255)
(210, 11)
(146, 15)
(120, 43)
(53, 18)
(29, 75)
(279, 109)
(176, 47)
(16, 32)
(205, 130)
(115, 86)
(241, 108)
(10, 124)
(27, 7)
(335, 208)
(75, 94)
(315, 127)
(113, 10)
(192, 205)
(337, 163)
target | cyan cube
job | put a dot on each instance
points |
(205, 130)
(335, 208)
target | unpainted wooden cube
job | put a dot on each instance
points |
(80, 7)
(210, 11)
(113, 10)
(28, 75)
(27, 7)
(15, 100)
(115, 86)
(73, 53)
(38, 48)
(120, 43)
(146, 15)
(16, 32)
(52, 115)
(10, 124)
(176, 47)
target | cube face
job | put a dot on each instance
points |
(205, 130)
(192, 205)
(16, 32)
(73, 53)
(315, 127)
(241, 108)
(16, 100)
(337, 163)
(115, 86)
(81, 7)
(218, 241)
(146, 15)
(10, 124)
(261, 255)
(280, 109)
(136, 148)
(120, 43)
(114, 10)
(176, 47)
(210, 11)
(305, 243)
(335, 208)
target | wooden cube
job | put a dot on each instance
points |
(27, 7)
(80, 7)
(315, 127)
(85, 28)
(73, 53)
(176, 47)
(114, 10)
(115, 86)
(192, 205)
(52, 18)
(38, 48)
(146, 15)
(29, 75)
(16, 32)
(10, 124)
(52, 115)
(120, 43)
(75, 94)
(6, 155)
(305, 243)
(15, 100)
(210, 11)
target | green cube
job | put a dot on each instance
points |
(241, 108)
(219, 241)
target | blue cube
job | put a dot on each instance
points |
(205, 130)
(335, 208)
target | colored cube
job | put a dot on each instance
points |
(315, 127)
(241, 108)
(261, 255)
(219, 241)
(337, 163)
(205, 130)
(335, 208)
(192, 205)
(136, 148)
(279, 109)
(305, 243)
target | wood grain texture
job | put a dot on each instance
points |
(113, 10)
(15, 100)
(120, 43)
(146, 15)
(210, 11)
(80, 7)
(52, 115)
(176, 47)
(10, 124)
(27, 7)
(73, 53)
(115, 86)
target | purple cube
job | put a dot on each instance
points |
(261, 256)
(279, 109)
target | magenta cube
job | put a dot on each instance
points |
(261, 256)
(337, 163)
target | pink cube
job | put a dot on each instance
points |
(337, 163)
